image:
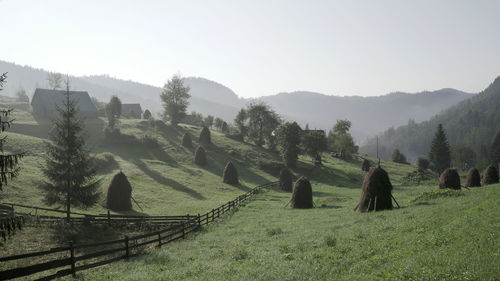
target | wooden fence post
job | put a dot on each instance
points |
(213, 214)
(218, 212)
(109, 218)
(199, 220)
(127, 252)
(72, 257)
(183, 230)
(159, 240)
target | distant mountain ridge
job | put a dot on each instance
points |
(369, 115)
(472, 122)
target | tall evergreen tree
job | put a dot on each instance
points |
(440, 156)
(175, 99)
(68, 167)
(495, 149)
(8, 161)
(113, 111)
(289, 141)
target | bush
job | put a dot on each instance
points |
(104, 162)
(423, 163)
(150, 142)
(236, 137)
(398, 157)
(270, 166)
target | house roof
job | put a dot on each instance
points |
(51, 99)
(128, 108)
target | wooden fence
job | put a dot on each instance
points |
(70, 259)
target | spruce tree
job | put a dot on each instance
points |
(8, 161)
(68, 166)
(495, 149)
(439, 155)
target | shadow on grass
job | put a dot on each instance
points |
(166, 181)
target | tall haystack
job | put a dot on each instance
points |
(205, 137)
(119, 194)
(365, 165)
(490, 175)
(473, 178)
(187, 141)
(376, 191)
(302, 197)
(449, 179)
(230, 174)
(286, 180)
(200, 157)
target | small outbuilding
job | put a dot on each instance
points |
(45, 103)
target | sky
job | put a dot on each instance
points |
(259, 48)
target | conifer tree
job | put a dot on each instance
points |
(8, 161)
(68, 167)
(495, 149)
(439, 155)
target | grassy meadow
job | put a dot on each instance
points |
(435, 235)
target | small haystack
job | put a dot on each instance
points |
(376, 191)
(490, 175)
(200, 157)
(473, 178)
(119, 194)
(286, 180)
(230, 174)
(449, 179)
(186, 140)
(365, 165)
(205, 137)
(302, 197)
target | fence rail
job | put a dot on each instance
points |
(74, 258)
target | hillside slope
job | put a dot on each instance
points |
(472, 122)
(369, 115)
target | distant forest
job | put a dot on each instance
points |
(471, 123)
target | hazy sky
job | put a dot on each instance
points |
(263, 47)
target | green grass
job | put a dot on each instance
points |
(436, 235)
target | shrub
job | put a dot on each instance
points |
(286, 180)
(423, 163)
(150, 142)
(105, 161)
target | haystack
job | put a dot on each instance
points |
(365, 165)
(286, 180)
(205, 137)
(230, 174)
(449, 179)
(490, 175)
(119, 194)
(376, 191)
(200, 157)
(473, 178)
(302, 197)
(186, 140)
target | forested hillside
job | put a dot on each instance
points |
(472, 123)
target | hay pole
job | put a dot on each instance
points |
(369, 204)
(375, 205)
(287, 203)
(137, 203)
(395, 200)
(355, 208)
